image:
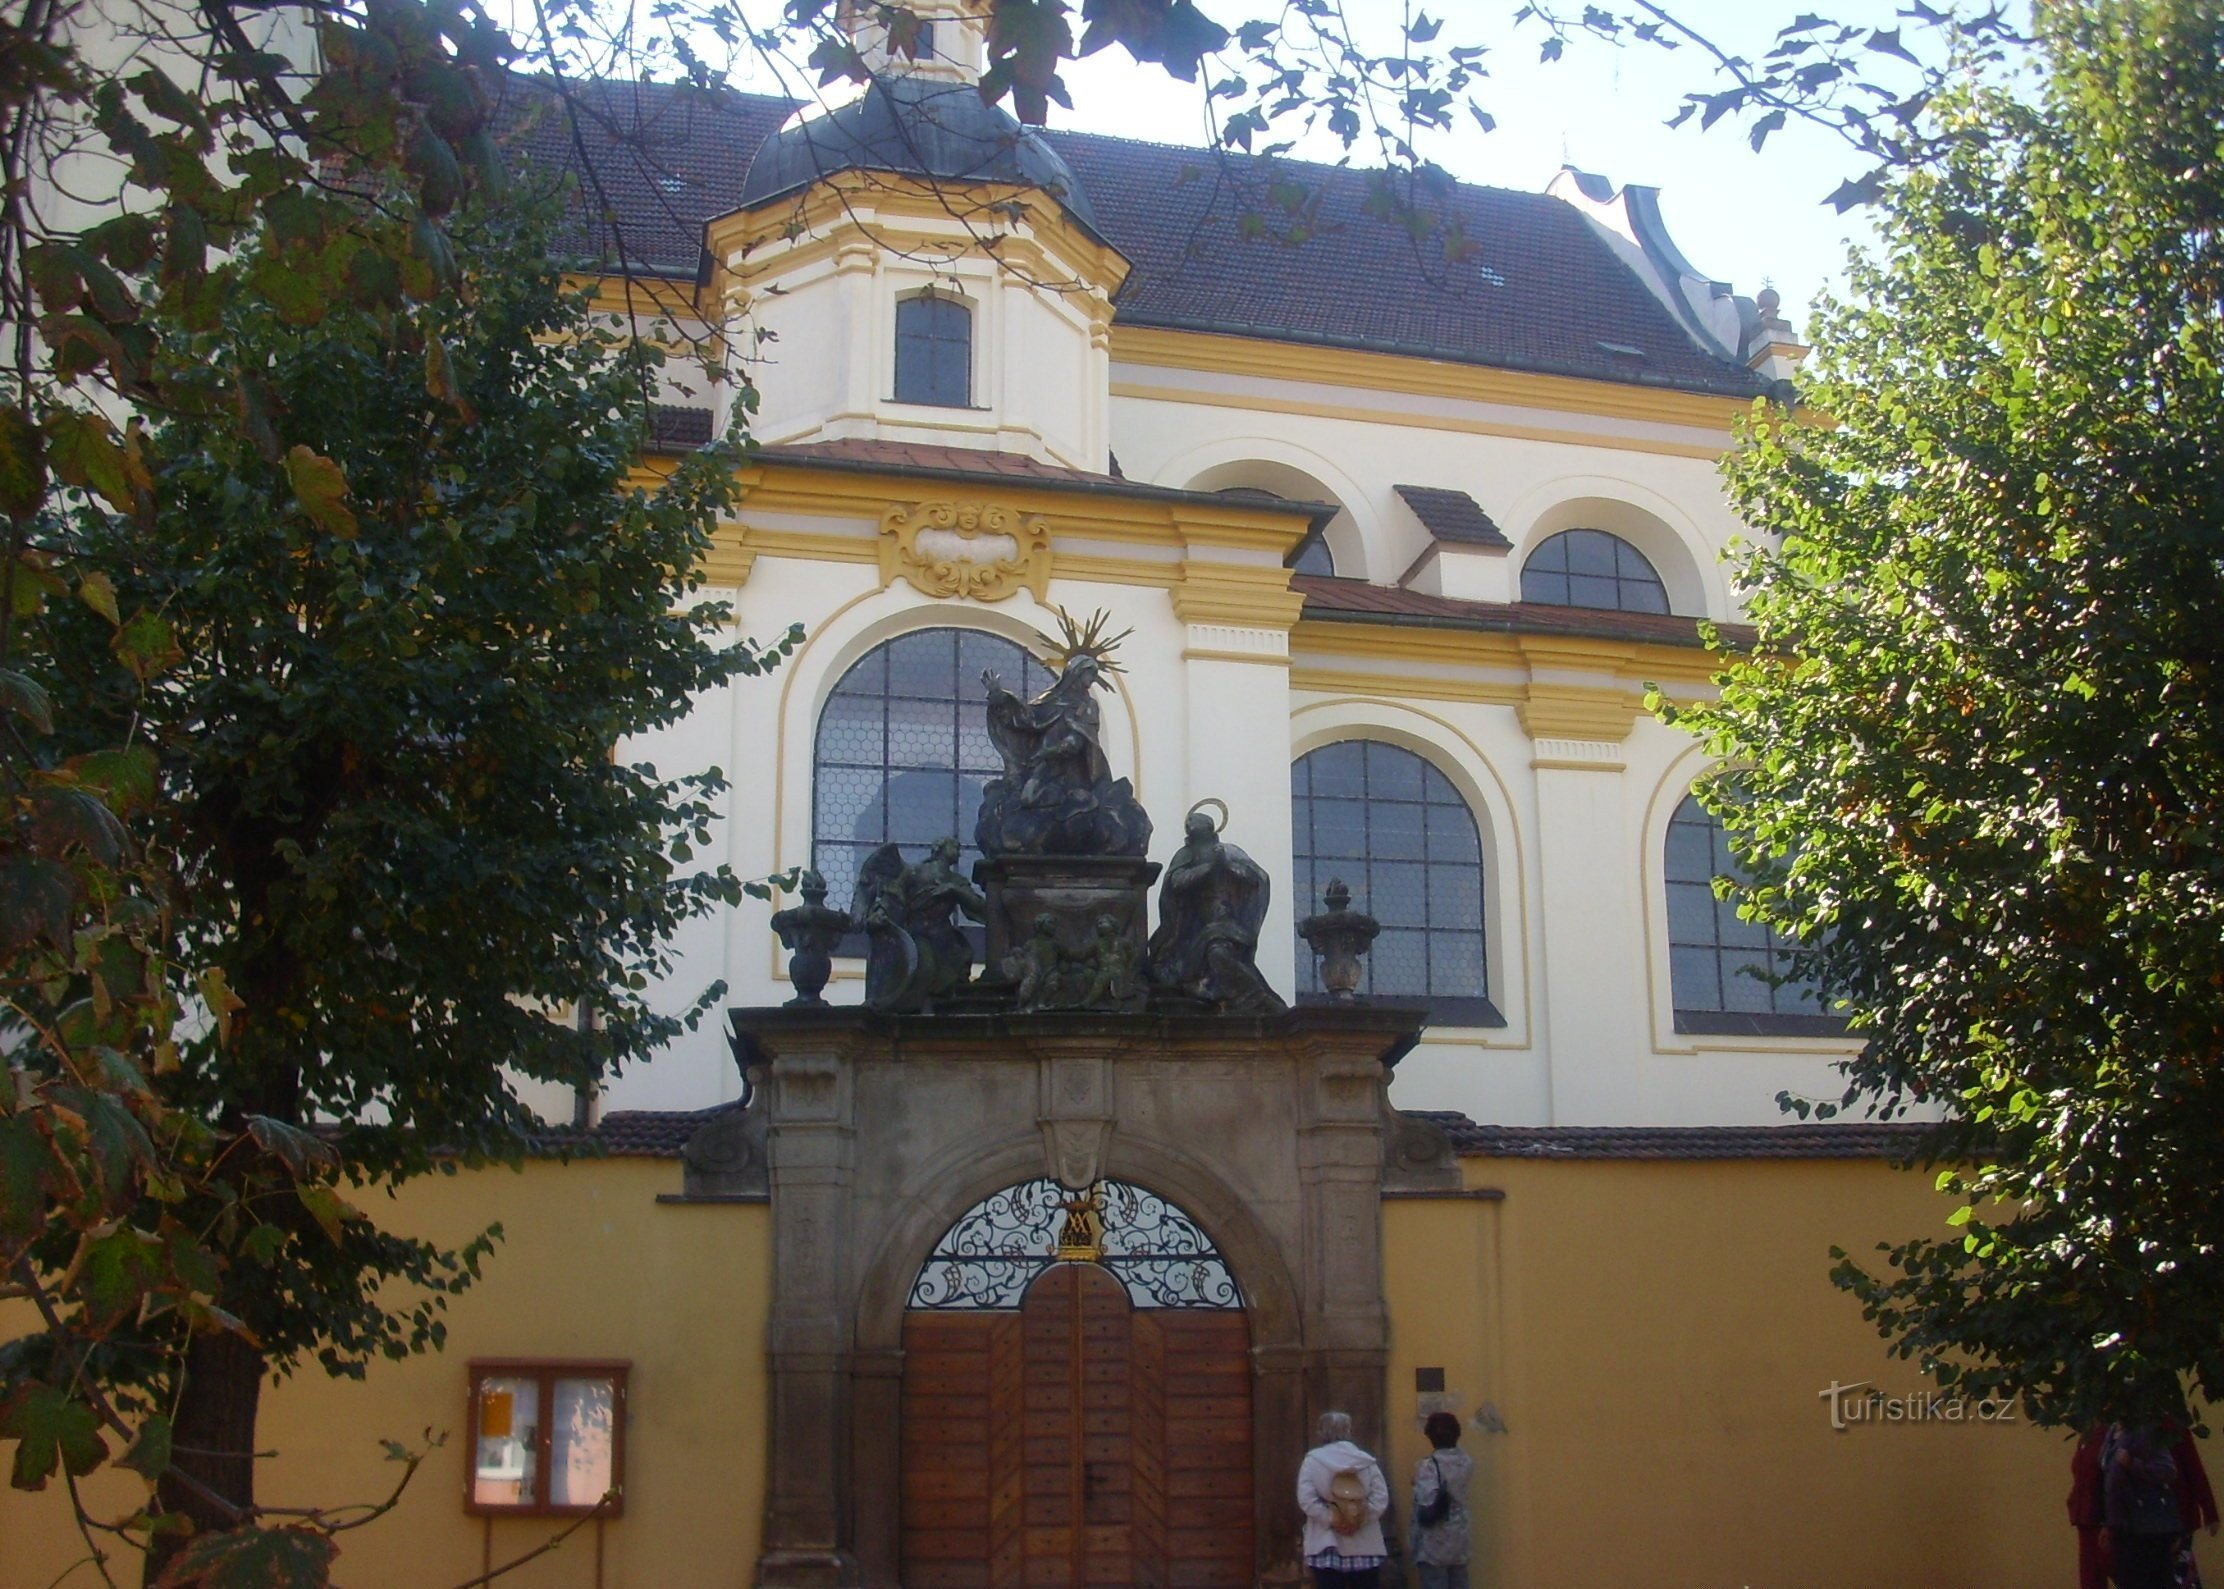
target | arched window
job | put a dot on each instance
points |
(934, 350)
(1590, 568)
(903, 749)
(1399, 835)
(1720, 966)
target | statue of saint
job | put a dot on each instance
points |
(918, 951)
(1057, 795)
(1209, 909)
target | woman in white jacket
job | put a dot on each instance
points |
(1343, 1543)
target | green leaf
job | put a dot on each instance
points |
(97, 591)
(49, 1429)
(63, 820)
(37, 897)
(125, 779)
(149, 1456)
(28, 699)
(321, 488)
(303, 1153)
(22, 464)
(222, 1002)
(328, 1208)
(146, 646)
(26, 1172)
(83, 450)
(253, 1558)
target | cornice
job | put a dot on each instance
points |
(982, 217)
(1261, 358)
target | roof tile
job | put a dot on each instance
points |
(1454, 517)
(1533, 287)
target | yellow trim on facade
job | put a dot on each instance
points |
(1641, 662)
(1615, 441)
(661, 295)
(1209, 654)
(1113, 570)
(1398, 372)
(1567, 711)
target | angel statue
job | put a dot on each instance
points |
(1209, 910)
(917, 950)
(1057, 795)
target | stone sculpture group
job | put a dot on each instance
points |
(1062, 887)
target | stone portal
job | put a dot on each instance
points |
(1267, 1132)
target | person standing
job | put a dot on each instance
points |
(1341, 1491)
(1441, 1533)
(2139, 1486)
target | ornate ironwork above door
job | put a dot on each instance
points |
(988, 1259)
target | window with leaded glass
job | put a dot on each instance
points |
(1590, 568)
(903, 750)
(934, 351)
(1395, 830)
(1724, 971)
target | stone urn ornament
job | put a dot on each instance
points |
(1339, 935)
(810, 933)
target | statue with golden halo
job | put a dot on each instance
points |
(1057, 795)
(1210, 908)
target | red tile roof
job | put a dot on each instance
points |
(1862, 1139)
(1355, 601)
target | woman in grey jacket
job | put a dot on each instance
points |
(1441, 1547)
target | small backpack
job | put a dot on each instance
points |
(1347, 1496)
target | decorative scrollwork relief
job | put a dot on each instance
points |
(975, 549)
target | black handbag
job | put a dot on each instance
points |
(1439, 1505)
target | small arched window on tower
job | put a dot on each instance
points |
(1728, 975)
(934, 350)
(1591, 568)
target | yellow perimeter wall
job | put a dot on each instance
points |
(1654, 1336)
(591, 1266)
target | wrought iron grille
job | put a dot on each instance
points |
(1394, 829)
(988, 1259)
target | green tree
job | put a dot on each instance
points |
(1979, 749)
(410, 619)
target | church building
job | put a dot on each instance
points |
(1267, 960)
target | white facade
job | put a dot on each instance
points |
(1538, 725)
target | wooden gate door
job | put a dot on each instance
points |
(1079, 1444)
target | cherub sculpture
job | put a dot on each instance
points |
(1112, 965)
(1035, 966)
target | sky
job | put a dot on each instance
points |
(1749, 219)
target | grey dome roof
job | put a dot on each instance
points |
(912, 126)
